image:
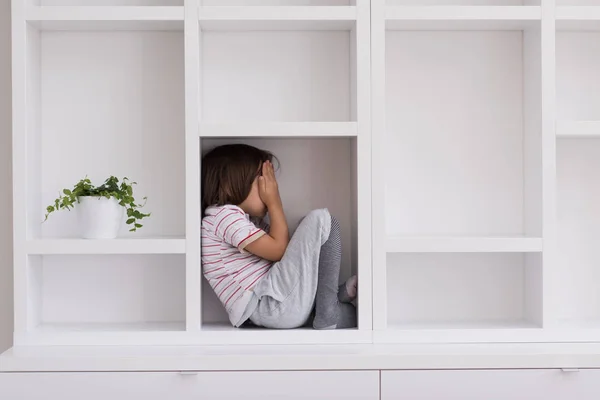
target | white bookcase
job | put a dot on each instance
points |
(457, 141)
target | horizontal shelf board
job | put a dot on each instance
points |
(460, 332)
(578, 18)
(578, 129)
(583, 324)
(106, 18)
(463, 325)
(110, 327)
(84, 334)
(462, 17)
(108, 246)
(277, 18)
(219, 333)
(400, 244)
(292, 358)
(279, 129)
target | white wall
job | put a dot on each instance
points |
(5, 181)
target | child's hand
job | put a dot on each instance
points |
(267, 186)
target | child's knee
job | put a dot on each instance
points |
(319, 217)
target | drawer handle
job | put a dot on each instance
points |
(188, 373)
(569, 370)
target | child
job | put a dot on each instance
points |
(257, 272)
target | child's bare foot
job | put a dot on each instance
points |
(347, 291)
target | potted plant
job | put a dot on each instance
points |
(100, 209)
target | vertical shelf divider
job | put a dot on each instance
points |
(19, 150)
(364, 162)
(193, 276)
(378, 105)
(549, 221)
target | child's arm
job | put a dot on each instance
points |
(271, 246)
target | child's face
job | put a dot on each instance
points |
(253, 205)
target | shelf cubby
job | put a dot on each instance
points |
(461, 176)
(116, 95)
(83, 298)
(445, 295)
(445, 117)
(289, 76)
(278, 76)
(577, 86)
(578, 294)
(314, 173)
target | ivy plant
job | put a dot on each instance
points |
(121, 191)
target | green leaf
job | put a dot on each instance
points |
(130, 221)
(138, 225)
(50, 209)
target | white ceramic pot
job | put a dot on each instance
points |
(99, 217)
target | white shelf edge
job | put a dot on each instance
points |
(578, 13)
(279, 129)
(277, 18)
(578, 18)
(241, 337)
(110, 246)
(103, 13)
(578, 129)
(278, 13)
(400, 244)
(460, 13)
(462, 17)
(319, 358)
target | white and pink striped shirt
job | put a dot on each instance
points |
(231, 271)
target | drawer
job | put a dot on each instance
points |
(478, 385)
(326, 385)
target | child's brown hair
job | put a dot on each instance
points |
(228, 172)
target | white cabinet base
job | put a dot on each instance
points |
(550, 384)
(270, 385)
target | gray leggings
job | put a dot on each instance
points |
(307, 274)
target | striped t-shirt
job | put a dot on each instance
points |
(231, 271)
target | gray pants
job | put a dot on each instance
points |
(286, 295)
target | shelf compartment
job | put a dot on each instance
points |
(577, 84)
(400, 244)
(577, 276)
(314, 173)
(279, 129)
(277, 18)
(463, 291)
(114, 246)
(486, 93)
(578, 129)
(462, 17)
(74, 295)
(105, 18)
(278, 76)
(131, 85)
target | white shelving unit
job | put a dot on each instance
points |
(462, 112)
(142, 88)
(457, 141)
